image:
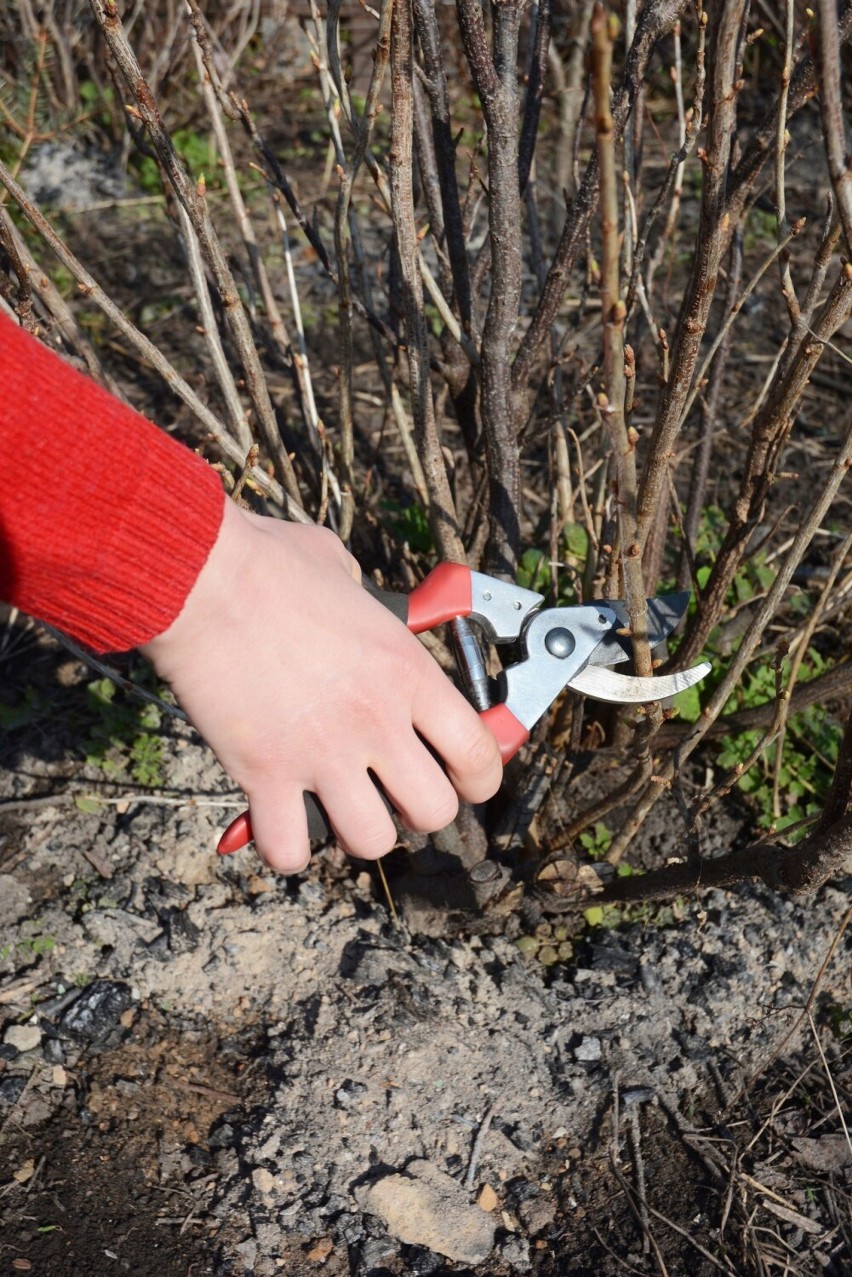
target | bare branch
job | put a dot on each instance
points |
(831, 110)
(442, 515)
(193, 201)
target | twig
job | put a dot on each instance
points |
(734, 311)
(432, 52)
(623, 438)
(27, 268)
(830, 1079)
(648, 1238)
(119, 800)
(713, 234)
(688, 132)
(723, 1268)
(711, 397)
(782, 138)
(224, 376)
(478, 1144)
(200, 1089)
(442, 515)
(655, 20)
(494, 75)
(639, 1167)
(769, 434)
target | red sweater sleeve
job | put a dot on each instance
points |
(105, 522)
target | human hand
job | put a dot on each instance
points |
(300, 681)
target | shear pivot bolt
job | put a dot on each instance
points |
(559, 643)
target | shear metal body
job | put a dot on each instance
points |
(559, 648)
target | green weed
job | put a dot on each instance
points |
(535, 570)
(643, 913)
(37, 945)
(812, 736)
(596, 841)
(194, 149)
(408, 525)
(123, 738)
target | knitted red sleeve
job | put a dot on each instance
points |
(105, 522)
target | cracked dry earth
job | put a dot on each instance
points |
(208, 1070)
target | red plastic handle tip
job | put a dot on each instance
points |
(510, 734)
(236, 835)
(446, 593)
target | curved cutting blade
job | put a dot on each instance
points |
(603, 685)
(664, 612)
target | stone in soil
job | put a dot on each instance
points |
(426, 1207)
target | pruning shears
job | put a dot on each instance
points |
(558, 648)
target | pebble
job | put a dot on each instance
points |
(263, 1180)
(25, 1037)
(426, 1207)
(516, 1253)
(588, 1051)
(487, 1199)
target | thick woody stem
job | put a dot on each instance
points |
(622, 437)
(800, 869)
(711, 243)
(831, 110)
(495, 79)
(442, 514)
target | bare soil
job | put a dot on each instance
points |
(221, 1064)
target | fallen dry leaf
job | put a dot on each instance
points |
(24, 1172)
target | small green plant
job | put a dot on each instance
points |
(644, 913)
(123, 740)
(535, 571)
(596, 841)
(840, 1019)
(550, 944)
(408, 525)
(194, 149)
(809, 752)
(812, 736)
(37, 945)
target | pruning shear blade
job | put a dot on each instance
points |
(604, 685)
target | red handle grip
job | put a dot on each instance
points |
(510, 733)
(446, 593)
(236, 835)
